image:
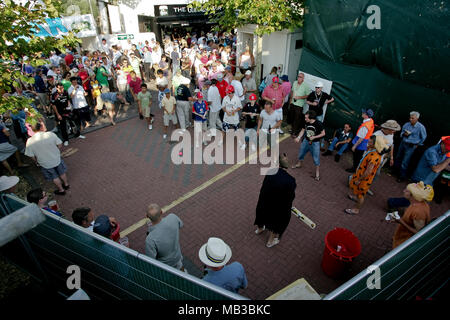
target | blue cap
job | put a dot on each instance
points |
(369, 112)
(167, 90)
(284, 77)
(102, 226)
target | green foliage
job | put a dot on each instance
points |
(17, 39)
(268, 15)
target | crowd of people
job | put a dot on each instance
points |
(199, 78)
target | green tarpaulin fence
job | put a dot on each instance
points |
(400, 67)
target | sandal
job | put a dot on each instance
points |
(352, 198)
(66, 187)
(259, 232)
(351, 212)
(317, 178)
(59, 193)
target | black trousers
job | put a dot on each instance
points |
(357, 156)
(297, 118)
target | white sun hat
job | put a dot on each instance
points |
(319, 84)
(8, 182)
(215, 253)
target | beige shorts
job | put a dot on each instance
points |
(146, 111)
(168, 117)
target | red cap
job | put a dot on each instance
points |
(252, 97)
(275, 80)
(446, 141)
(199, 95)
(230, 89)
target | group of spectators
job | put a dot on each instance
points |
(196, 78)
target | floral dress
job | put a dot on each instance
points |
(370, 157)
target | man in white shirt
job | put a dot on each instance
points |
(215, 104)
(44, 148)
(79, 104)
(54, 59)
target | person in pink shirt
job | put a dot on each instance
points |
(135, 84)
(213, 72)
(275, 94)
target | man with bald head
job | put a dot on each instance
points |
(163, 237)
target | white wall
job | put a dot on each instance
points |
(294, 56)
(93, 43)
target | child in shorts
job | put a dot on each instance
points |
(168, 104)
(144, 102)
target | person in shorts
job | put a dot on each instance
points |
(44, 148)
(199, 112)
(109, 99)
(169, 106)
(144, 103)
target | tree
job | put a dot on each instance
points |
(268, 15)
(18, 39)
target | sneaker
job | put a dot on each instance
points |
(369, 192)
(151, 121)
(243, 146)
(281, 131)
(273, 243)
(81, 137)
(337, 158)
(59, 193)
(350, 170)
(150, 127)
(164, 136)
(66, 143)
(326, 153)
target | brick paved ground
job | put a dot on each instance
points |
(120, 170)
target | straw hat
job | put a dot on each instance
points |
(391, 125)
(420, 191)
(215, 253)
(7, 182)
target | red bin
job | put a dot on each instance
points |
(341, 247)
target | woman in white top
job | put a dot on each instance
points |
(246, 60)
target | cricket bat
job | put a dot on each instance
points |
(303, 218)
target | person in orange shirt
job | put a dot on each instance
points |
(361, 139)
(417, 215)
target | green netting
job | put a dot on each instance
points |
(419, 267)
(108, 271)
(402, 66)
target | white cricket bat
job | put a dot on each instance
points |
(303, 218)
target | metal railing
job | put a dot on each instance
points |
(108, 269)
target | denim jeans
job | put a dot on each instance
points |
(404, 154)
(314, 148)
(342, 148)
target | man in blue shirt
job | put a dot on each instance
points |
(215, 255)
(413, 134)
(433, 161)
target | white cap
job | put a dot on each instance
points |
(248, 72)
(7, 182)
(319, 84)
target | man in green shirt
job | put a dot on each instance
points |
(144, 103)
(102, 76)
(300, 91)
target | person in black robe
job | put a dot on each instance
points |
(273, 211)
